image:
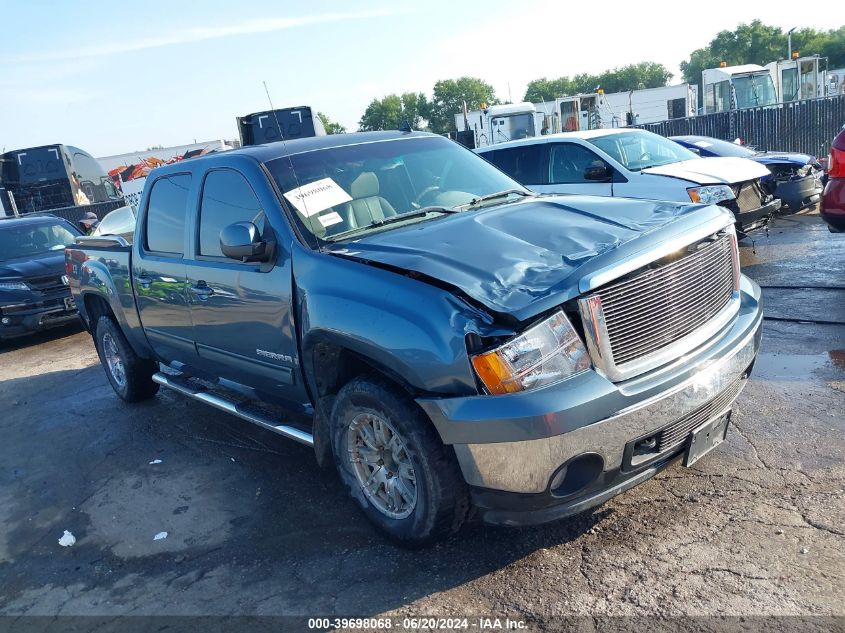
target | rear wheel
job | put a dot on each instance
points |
(395, 465)
(129, 374)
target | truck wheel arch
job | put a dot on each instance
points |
(95, 307)
(328, 365)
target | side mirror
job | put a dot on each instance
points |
(242, 241)
(598, 172)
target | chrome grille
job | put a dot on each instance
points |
(632, 321)
(676, 434)
(748, 196)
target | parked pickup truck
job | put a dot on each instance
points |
(455, 344)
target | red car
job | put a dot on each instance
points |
(833, 199)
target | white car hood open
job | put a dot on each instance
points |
(712, 171)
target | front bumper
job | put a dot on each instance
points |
(747, 221)
(800, 193)
(27, 318)
(511, 447)
(832, 208)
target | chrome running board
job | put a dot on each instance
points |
(219, 402)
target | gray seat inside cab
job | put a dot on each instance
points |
(366, 205)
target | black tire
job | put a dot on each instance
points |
(442, 498)
(137, 383)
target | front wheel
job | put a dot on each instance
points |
(395, 465)
(130, 376)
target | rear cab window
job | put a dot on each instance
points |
(164, 225)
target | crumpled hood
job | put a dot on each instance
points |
(774, 158)
(51, 263)
(512, 256)
(721, 170)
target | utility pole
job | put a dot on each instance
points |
(789, 42)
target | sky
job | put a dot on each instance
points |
(116, 77)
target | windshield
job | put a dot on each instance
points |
(754, 90)
(26, 240)
(348, 191)
(638, 150)
(510, 127)
(718, 146)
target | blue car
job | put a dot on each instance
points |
(795, 178)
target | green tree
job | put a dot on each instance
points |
(631, 77)
(830, 44)
(548, 89)
(331, 126)
(754, 43)
(634, 77)
(448, 98)
(390, 112)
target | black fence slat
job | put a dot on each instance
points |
(75, 214)
(806, 126)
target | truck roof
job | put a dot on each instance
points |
(271, 151)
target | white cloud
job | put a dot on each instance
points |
(198, 34)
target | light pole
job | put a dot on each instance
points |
(789, 42)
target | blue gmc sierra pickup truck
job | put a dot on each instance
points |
(456, 345)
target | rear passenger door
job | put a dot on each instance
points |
(567, 164)
(243, 324)
(527, 164)
(158, 270)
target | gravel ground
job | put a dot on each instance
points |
(255, 527)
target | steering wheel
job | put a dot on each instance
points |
(419, 201)
(645, 156)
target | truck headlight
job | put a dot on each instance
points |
(13, 285)
(546, 353)
(710, 194)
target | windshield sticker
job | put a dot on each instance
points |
(702, 144)
(317, 196)
(330, 219)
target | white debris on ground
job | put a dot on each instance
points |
(155, 461)
(67, 539)
(160, 536)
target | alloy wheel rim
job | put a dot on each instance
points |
(382, 465)
(113, 360)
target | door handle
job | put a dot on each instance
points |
(202, 290)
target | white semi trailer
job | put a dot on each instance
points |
(620, 109)
(736, 87)
(500, 123)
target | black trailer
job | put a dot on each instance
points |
(274, 125)
(52, 177)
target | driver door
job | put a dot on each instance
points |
(242, 318)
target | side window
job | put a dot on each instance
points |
(569, 162)
(722, 95)
(524, 164)
(165, 222)
(226, 198)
